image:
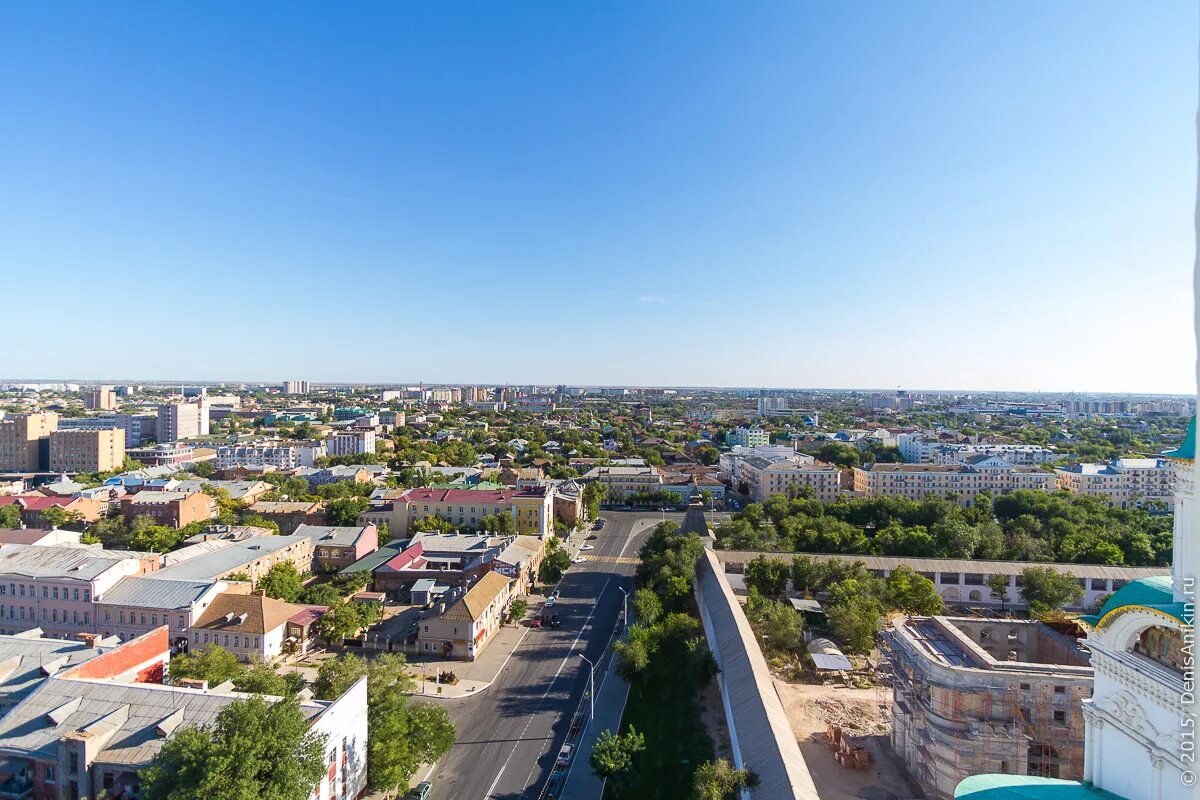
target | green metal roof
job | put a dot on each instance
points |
(1152, 593)
(372, 560)
(1027, 787)
(1187, 449)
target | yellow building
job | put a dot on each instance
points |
(87, 451)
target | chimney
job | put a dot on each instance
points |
(92, 640)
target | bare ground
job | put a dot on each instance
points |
(811, 709)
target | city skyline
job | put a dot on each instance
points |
(995, 198)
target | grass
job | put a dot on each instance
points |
(664, 705)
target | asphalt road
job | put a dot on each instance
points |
(508, 737)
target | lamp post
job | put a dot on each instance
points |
(591, 686)
(624, 606)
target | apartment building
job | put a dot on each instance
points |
(135, 606)
(338, 547)
(761, 477)
(1125, 482)
(87, 451)
(102, 398)
(290, 515)
(25, 442)
(747, 437)
(173, 509)
(138, 428)
(351, 442)
(183, 420)
(926, 448)
(226, 559)
(979, 696)
(966, 480)
(89, 726)
(295, 387)
(34, 506)
(531, 507)
(279, 455)
(624, 481)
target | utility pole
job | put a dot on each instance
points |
(591, 686)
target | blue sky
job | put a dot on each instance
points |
(928, 195)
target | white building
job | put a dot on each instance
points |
(747, 437)
(924, 448)
(295, 387)
(351, 442)
(182, 420)
(276, 454)
(1126, 482)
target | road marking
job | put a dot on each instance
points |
(545, 694)
(614, 559)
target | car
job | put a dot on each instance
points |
(555, 621)
(592, 536)
(578, 560)
(587, 547)
(421, 791)
(536, 623)
(564, 755)
(550, 600)
(557, 594)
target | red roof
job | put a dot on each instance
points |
(427, 495)
(36, 502)
(407, 558)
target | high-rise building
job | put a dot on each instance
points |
(295, 387)
(87, 451)
(351, 442)
(182, 421)
(25, 441)
(102, 398)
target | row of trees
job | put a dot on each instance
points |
(1022, 526)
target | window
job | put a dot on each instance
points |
(73, 761)
(74, 594)
(87, 595)
(1024, 687)
(45, 592)
(1060, 717)
(48, 774)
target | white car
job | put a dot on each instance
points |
(564, 755)
(578, 560)
(550, 601)
(587, 547)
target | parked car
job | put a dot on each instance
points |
(587, 547)
(551, 600)
(536, 623)
(578, 560)
(555, 621)
(564, 755)
(421, 791)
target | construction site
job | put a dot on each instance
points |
(976, 696)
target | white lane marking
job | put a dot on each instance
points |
(557, 672)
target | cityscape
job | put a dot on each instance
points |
(599, 401)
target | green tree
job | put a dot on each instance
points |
(718, 780)
(855, 621)
(263, 679)
(517, 609)
(768, 575)
(594, 493)
(556, 562)
(1045, 590)
(254, 749)
(782, 626)
(998, 585)
(10, 516)
(344, 511)
(614, 758)
(203, 469)
(283, 582)
(498, 523)
(211, 663)
(911, 592)
(336, 675)
(647, 607)
(155, 538)
(59, 517)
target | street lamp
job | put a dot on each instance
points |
(591, 686)
(624, 606)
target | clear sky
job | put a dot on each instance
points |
(928, 195)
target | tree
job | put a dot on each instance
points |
(59, 517)
(1045, 590)
(254, 749)
(614, 758)
(211, 663)
(263, 679)
(856, 621)
(718, 780)
(203, 469)
(783, 627)
(344, 511)
(517, 609)
(502, 523)
(998, 584)
(283, 582)
(155, 538)
(435, 524)
(10, 516)
(556, 562)
(647, 607)
(768, 575)
(911, 592)
(593, 495)
(336, 675)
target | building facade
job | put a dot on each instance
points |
(87, 451)
(1124, 482)
(966, 481)
(173, 509)
(25, 442)
(183, 420)
(351, 442)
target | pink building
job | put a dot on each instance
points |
(335, 548)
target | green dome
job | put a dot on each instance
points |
(1187, 449)
(1027, 787)
(1154, 593)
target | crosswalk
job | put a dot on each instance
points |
(614, 559)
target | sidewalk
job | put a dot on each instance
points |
(581, 783)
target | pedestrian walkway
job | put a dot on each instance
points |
(614, 559)
(581, 783)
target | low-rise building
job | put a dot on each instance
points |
(531, 507)
(34, 506)
(624, 481)
(226, 559)
(255, 627)
(982, 696)
(520, 560)
(173, 509)
(279, 455)
(467, 624)
(135, 606)
(338, 547)
(966, 481)
(761, 478)
(159, 455)
(290, 515)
